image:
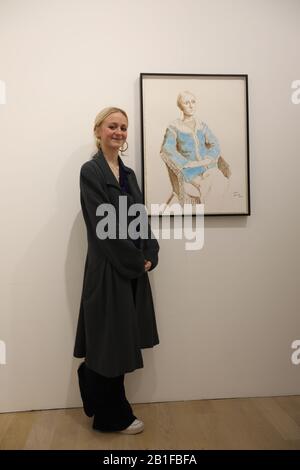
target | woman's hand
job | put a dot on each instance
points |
(148, 265)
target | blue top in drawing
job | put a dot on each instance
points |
(183, 145)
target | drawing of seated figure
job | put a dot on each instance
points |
(192, 154)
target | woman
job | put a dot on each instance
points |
(193, 150)
(116, 318)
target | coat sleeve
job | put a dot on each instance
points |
(150, 246)
(150, 251)
(124, 256)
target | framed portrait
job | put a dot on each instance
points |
(195, 143)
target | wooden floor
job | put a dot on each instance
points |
(250, 423)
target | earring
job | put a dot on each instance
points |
(98, 142)
(124, 149)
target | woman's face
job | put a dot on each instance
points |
(113, 131)
(188, 104)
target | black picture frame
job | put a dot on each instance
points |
(191, 155)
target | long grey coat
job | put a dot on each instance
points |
(115, 321)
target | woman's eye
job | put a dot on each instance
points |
(112, 127)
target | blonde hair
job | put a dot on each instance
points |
(180, 97)
(104, 113)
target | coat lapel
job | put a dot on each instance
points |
(105, 170)
(112, 181)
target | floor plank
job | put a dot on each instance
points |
(246, 423)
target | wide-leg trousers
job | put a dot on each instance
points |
(105, 399)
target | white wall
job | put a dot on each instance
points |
(227, 314)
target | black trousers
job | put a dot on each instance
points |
(105, 399)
